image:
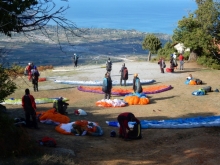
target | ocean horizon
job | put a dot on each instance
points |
(151, 16)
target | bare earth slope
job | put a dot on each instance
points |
(158, 146)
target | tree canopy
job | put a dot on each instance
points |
(167, 50)
(22, 16)
(7, 86)
(200, 31)
(151, 43)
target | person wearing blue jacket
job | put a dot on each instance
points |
(137, 84)
(107, 85)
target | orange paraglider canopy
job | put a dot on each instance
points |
(135, 100)
(51, 116)
(122, 92)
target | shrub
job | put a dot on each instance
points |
(7, 86)
(186, 55)
(208, 62)
(14, 141)
(42, 68)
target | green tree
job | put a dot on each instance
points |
(7, 86)
(152, 44)
(200, 30)
(12, 15)
(167, 50)
(23, 16)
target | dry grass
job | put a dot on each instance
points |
(158, 146)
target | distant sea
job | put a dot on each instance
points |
(152, 16)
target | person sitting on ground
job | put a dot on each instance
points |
(137, 84)
(189, 77)
(78, 130)
(60, 106)
(94, 130)
(123, 120)
(193, 81)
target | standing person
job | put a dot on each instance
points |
(29, 106)
(123, 120)
(75, 58)
(109, 65)
(107, 85)
(174, 61)
(181, 59)
(35, 76)
(29, 71)
(137, 84)
(26, 70)
(61, 106)
(172, 65)
(162, 64)
(33, 66)
(124, 74)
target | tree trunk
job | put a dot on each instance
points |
(149, 56)
(192, 57)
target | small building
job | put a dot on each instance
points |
(181, 48)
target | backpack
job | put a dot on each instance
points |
(198, 81)
(135, 133)
(164, 65)
(76, 57)
(105, 85)
(125, 74)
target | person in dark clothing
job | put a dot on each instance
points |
(172, 64)
(124, 130)
(29, 106)
(35, 76)
(33, 66)
(124, 74)
(162, 64)
(109, 65)
(107, 85)
(137, 84)
(75, 58)
(61, 106)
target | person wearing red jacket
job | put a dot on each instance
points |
(29, 71)
(29, 106)
(181, 59)
(123, 120)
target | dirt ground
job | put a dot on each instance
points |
(158, 146)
